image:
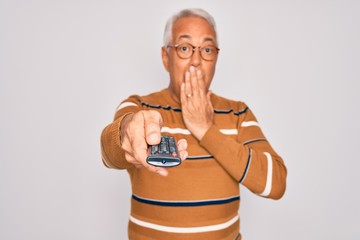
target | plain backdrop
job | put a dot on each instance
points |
(66, 65)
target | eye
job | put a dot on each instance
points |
(209, 50)
(185, 48)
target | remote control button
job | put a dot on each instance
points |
(163, 147)
(154, 149)
(164, 154)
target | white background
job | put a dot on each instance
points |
(65, 65)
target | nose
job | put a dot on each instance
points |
(195, 58)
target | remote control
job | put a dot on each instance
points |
(165, 154)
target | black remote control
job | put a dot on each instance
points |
(165, 154)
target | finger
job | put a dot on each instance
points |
(182, 146)
(208, 95)
(183, 155)
(142, 155)
(161, 171)
(183, 97)
(140, 151)
(188, 89)
(201, 82)
(134, 140)
(136, 146)
(152, 126)
(194, 80)
(133, 161)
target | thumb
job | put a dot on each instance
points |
(152, 125)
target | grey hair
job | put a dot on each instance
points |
(190, 12)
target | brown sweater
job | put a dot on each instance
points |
(200, 198)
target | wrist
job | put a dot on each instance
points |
(199, 133)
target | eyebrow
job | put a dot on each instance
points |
(207, 39)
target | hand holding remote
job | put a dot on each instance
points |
(138, 131)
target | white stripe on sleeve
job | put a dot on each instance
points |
(267, 189)
(249, 124)
(229, 131)
(124, 105)
(185, 229)
(175, 130)
(187, 132)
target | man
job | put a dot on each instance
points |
(220, 139)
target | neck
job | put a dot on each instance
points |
(173, 95)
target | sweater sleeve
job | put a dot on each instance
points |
(113, 156)
(249, 158)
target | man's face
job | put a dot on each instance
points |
(197, 32)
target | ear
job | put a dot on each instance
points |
(165, 58)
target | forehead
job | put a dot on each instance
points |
(195, 29)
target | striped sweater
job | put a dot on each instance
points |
(199, 199)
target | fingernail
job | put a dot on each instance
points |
(183, 142)
(192, 69)
(198, 72)
(161, 172)
(153, 137)
(187, 74)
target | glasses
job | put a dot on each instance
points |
(186, 50)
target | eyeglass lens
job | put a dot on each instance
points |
(187, 50)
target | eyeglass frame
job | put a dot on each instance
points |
(193, 50)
